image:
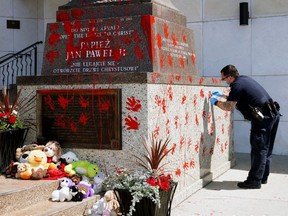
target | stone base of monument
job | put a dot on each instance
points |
(201, 135)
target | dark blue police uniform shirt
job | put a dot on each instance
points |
(246, 91)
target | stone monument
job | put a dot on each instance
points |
(117, 71)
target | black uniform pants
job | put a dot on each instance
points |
(262, 137)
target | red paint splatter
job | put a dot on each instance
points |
(49, 101)
(166, 32)
(193, 58)
(211, 151)
(158, 100)
(159, 41)
(202, 93)
(182, 142)
(170, 60)
(63, 16)
(223, 129)
(203, 114)
(204, 150)
(133, 104)
(196, 147)
(164, 106)
(177, 77)
(84, 102)
(195, 100)
(162, 60)
(192, 163)
(190, 79)
(196, 120)
(104, 105)
(182, 62)
(217, 141)
(156, 132)
(211, 131)
(155, 76)
(84, 117)
(201, 80)
(170, 93)
(52, 55)
(176, 119)
(53, 27)
(178, 172)
(146, 23)
(185, 165)
(186, 118)
(63, 102)
(138, 52)
(77, 13)
(183, 99)
(209, 117)
(189, 143)
(173, 148)
(132, 123)
(136, 37)
(60, 121)
(184, 38)
(167, 126)
(174, 39)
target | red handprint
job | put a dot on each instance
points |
(49, 101)
(132, 123)
(133, 104)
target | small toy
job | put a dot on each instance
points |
(63, 191)
(24, 171)
(22, 153)
(82, 167)
(86, 189)
(11, 169)
(97, 182)
(66, 159)
(37, 159)
(53, 151)
(38, 174)
(77, 196)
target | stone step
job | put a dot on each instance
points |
(32, 198)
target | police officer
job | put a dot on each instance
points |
(252, 100)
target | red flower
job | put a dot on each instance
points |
(164, 182)
(152, 181)
(12, 119)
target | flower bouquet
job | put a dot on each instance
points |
(13, 131)
(148, 191)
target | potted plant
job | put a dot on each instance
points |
(145, 192)
(13, 130)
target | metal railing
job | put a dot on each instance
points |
(22, 63)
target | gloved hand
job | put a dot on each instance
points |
(213, 100)
(217, 93)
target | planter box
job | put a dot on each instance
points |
(146, 206)
(10, 140)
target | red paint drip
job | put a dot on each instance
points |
(166, 31)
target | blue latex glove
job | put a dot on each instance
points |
(217, 93)
(213, 100)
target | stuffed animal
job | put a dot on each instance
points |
(76, 179)
(22, 153)
(11, 169)
(77, 196)
(37, 159)
(53, 151)
(63, 191)
(82, 167)
(97, 182)
(24, 171)
(38, 174)
(107, 205)
(66, 159)
(86, 189)
(112, 206)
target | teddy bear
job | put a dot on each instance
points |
(83, 168)
(38, 174)
(22, 153)
(63, 192)
(86, 189)
(107, 205)
(53, 151)
(97, 182)
(24, 171)
(66, 159)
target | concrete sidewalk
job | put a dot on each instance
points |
(223, 197)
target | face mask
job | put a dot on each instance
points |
(224, 83)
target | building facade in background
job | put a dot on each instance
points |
(258, 49)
